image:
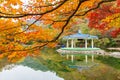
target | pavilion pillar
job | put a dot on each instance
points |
(92, 43)
(67, 44)
(72, 43)
(86, 43)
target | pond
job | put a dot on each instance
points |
(20, 72)
(49, 65)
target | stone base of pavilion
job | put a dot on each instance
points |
(81, 51)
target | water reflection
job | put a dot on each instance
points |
(20, 72)
(43, 67)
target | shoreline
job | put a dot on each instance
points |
(97, 52)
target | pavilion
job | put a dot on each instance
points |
(79, 35)
(71, 49)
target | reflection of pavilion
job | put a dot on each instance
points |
(72, 49)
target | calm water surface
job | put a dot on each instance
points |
(20, 72)
(50, 66)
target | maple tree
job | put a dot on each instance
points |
(28, 25)
(106, 19)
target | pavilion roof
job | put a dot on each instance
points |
(80, 36)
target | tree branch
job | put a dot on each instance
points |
(98, 5)
(67, 22)
(40, 6)
(6, 15)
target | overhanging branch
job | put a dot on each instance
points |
(6, 15)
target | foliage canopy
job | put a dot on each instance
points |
(28, 25)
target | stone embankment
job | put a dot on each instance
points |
(115, 54)
(114, 48)
(98, 52)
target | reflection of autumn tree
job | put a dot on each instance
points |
(26, 27)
